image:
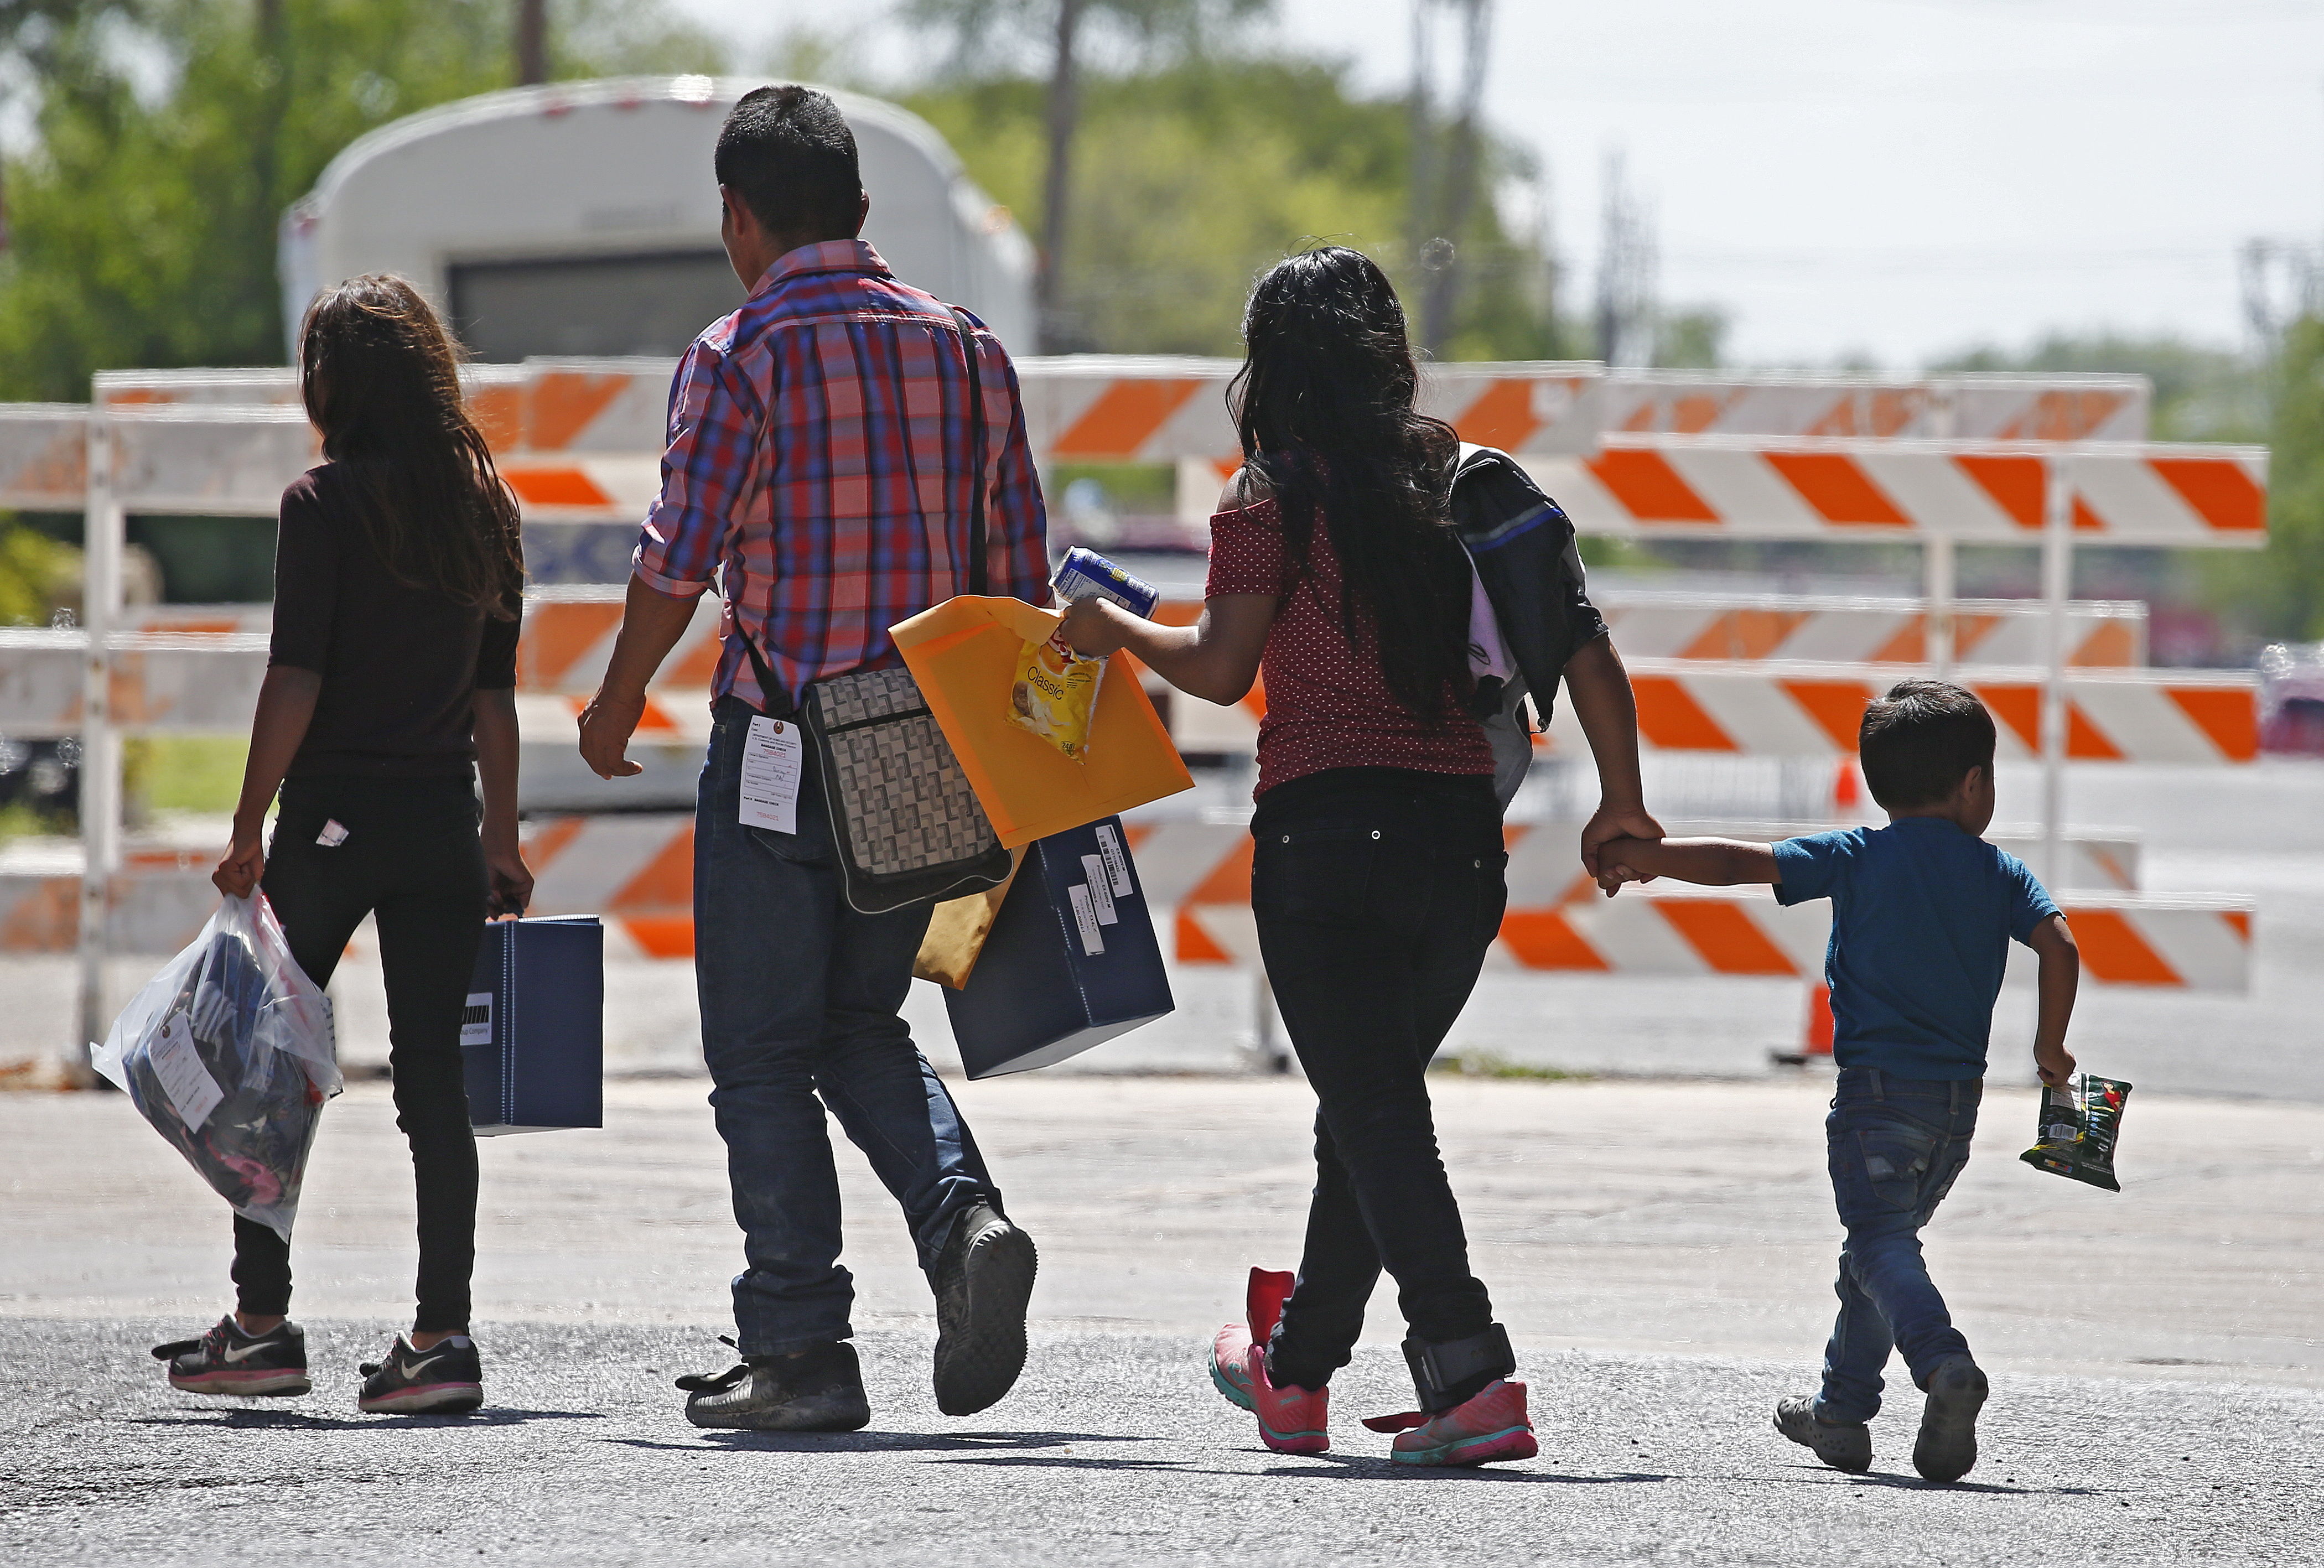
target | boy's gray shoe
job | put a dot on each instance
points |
(820, 1389)
(982, 1282)
(1947, 1447)
(1842, 1444)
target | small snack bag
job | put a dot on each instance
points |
(1055, 692)
(2079, 1119)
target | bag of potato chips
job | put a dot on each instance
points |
(1054, 694)
(2079, 1119)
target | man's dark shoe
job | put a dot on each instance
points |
(817, 1389)
(1842, 1444)
(1947, 1447)
(227, 1360)
(444, 1380)
(982, 1282)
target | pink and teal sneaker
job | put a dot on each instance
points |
(1290, 1420)
(1263, 1300)
(1489, 1427)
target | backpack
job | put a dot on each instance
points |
(1522, 549)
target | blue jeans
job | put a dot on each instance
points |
(1895, 1145)
(799, 999)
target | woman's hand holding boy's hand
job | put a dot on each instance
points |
(1604, 831)
(1094, 626)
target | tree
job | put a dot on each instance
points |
(2279, 593)
(145, 231)
(982, 28)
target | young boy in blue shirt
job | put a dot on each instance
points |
(1924, 911)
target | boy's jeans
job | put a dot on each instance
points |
(1895, 1146)
(800, 997)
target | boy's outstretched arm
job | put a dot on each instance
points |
(1598, 689)
(2062, 971)
(1713, 863)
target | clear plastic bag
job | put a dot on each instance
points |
(229, 1052)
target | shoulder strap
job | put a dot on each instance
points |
(978, 567)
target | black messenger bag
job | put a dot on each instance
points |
(905, 820)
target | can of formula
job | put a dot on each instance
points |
(1084, 573)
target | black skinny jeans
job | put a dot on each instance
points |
(412, 859)
(1377, 892)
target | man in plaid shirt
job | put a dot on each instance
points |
(822, 470)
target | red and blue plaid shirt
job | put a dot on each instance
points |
(821, 469)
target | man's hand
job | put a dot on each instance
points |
(1613, 821)
(606, 726)
(2055, 1062)
(244, 861)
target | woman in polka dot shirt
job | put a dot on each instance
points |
(1377, 878)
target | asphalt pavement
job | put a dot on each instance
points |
(1113, 1449)
(1661, 1253)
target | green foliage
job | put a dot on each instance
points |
(187, 772)
(145, 229)
(33, 568)
(2278, 592)
(1192, 177)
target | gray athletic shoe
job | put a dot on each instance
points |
(1947, 1447)
(1842, 1444)
(819, 1389)
(983, 1281)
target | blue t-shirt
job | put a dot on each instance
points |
(1923, 915)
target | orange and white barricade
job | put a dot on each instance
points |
(1759, 487)
(1778, 710)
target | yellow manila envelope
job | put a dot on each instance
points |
(963, 653)
(957, 929)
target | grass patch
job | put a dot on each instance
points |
(188, 772)
(1486, 1064)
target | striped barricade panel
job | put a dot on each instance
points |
(1961, 407)
(1778, 709)
(1770, 488)
(1985, 632)
(43, 457)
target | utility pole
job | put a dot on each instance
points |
(1441, 207)
(1056, 186)
(1625, 274)
(531, 42)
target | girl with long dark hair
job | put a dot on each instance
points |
(1376, 871)
(399, 581)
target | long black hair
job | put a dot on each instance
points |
(381, 381)
(1323, 403)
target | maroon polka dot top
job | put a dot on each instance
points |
(1328, 704)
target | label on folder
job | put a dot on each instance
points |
(477, 1019)
(1086, 917)
(1117, 862)
(772, 758)
(1101, 896)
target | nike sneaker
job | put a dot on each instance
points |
(1491, 1426)
(1263, 1299)
(441, 1381)
(1842, 1444)
(227, 1360)
(1946, 1449)
(982, 1282)
(817, 1389)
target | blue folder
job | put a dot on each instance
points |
(532, 1040)
(1072, 959)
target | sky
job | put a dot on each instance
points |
(1888, 180)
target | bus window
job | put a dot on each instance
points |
(652, 304)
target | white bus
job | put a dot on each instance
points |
(581, 218)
